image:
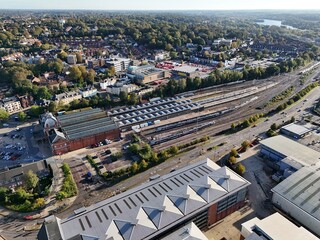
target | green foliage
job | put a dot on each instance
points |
(245, 144)
(22, 116)
(174, 150)
(134, 168)
(271, 133)
(4, 115)
(232, 160)
(297, 96)
(194, 142)
(69, 187)
(240, 169)
(3, 194)
(114, 157)
(35, 111)
(32, 180)
(283, 95)
(274, 127)
(233, 152)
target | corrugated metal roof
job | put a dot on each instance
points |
(303, 189)
(142, 211)
(296, 129)
(290, 148)
(86, 123)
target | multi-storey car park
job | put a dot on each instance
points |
(202, 193)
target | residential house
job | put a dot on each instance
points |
(107, 82)
(67, 97)
(11, 104)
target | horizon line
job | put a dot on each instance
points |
(170, 10)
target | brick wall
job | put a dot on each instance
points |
(59, 148)
(214, 217)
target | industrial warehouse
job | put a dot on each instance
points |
(288, 156)
(294, 130)
(298, 196)
(202, 193)
(73, 131)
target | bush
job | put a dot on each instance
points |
(233, 152)
(245, 144)
(69, 187)
(240, 169)
(232, 160)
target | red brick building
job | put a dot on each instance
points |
(73, 131)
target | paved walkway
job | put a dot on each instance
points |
(52, 205)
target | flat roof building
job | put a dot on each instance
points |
(280, 147)
(295, 130)
(203, 193)
(298, 196)
(275, 227)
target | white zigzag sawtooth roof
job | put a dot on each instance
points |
(157, 205)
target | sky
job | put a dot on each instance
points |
(160, 4)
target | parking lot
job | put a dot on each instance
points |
(16, 144)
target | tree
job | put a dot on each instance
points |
(75, 73)
(174, 150)
(43, 93)
(240, 169)
(134, 148)
(35, 111)
(3, 194)
(134, 168)
(232, 160)
(31, 180)
(38, 203)
(22, 116)
(246, 123)
(233, 126)
(79, 58)
(61, 195)
(62, 55)
(90, 76)
(123, 96)
(233, 152)
(19, 196)
(274, 127)
(4, 115)
(245, 144)
(143, 164)
(292, 120)
(52, 107)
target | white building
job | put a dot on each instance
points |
(275, 227)
(298, 196)
(287, 156)
(88, 92)
(120, 64)
(67, 97)
(222, 42)
(115, 90)
(72, 59)
(107, 82)
(10, 104)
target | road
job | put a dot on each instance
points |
(226, 120)
(11, 227)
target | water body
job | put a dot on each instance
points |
(269, 22)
